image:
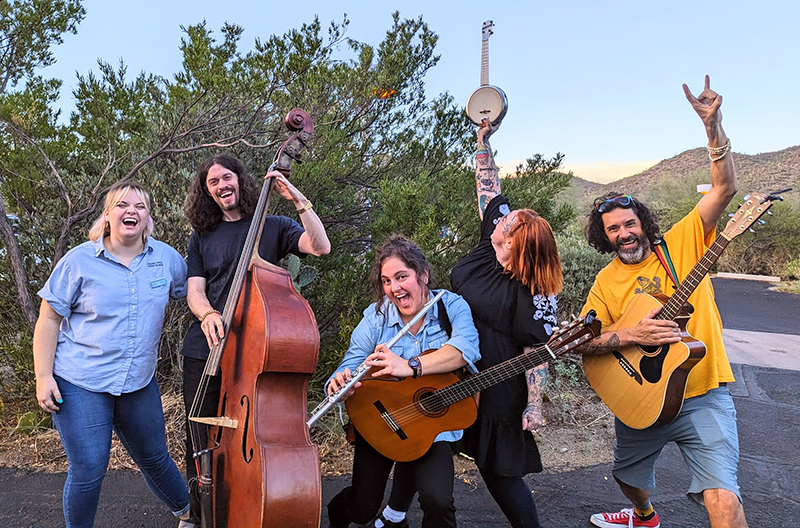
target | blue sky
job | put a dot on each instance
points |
(597, 81)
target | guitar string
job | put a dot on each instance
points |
(465, 388)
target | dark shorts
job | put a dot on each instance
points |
(705, 432)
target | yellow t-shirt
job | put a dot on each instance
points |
(616, 284)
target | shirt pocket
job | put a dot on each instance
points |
(157, 281)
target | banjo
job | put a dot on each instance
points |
(487, 101)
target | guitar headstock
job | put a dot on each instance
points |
(576, 333)
(754, 206)
(486, 30)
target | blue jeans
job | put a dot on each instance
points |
(85, 422)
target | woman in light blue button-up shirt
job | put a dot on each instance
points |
(95, 351)
(401, 278)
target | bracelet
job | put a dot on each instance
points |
(306, 207)
(203, 317)
(717, 153)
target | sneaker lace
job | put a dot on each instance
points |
(622, 514)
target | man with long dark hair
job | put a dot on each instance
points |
(705, 429)
(220, 205)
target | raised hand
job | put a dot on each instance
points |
(706, 104)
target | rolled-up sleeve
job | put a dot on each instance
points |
(60, 289)
(465, 335)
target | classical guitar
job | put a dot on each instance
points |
(487, 101)
(401, 418)
(645, 385)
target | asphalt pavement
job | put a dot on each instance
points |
(763, 342)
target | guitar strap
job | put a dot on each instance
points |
(661, 251)
(444, 319)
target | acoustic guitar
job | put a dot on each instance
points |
(645, 385)
(401, 418)
(487, 101)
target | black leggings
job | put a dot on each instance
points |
(431, 475)
(514, 498)
(510, 493)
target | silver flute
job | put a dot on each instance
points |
(360, 371)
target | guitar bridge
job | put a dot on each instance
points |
(627, 367)
(387, 417)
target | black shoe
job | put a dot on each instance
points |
(389, 524)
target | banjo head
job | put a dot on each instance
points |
(487, 101)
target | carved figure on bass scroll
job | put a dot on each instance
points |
(220, 205)
(623, 225)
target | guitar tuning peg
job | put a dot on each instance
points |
(762, 222)
(769, 213)
(746, 197)
(750, 229)
(730, 215)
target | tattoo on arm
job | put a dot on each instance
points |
(487, 177)
(601, 344)
(535, 378)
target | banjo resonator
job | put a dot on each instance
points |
(487, 101)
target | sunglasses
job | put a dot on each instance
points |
(606, 205)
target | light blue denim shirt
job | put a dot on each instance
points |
(113, 314)
(375, 329)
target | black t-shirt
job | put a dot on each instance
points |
(215, 256)
(508, 318)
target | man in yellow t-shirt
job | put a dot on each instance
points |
(705, 429)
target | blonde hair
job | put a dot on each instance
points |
(534, 259)
(115, 194)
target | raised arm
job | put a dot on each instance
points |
(723, 174)
(315, 240)
(487, 177)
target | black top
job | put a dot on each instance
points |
(508, 318)
(215, 255)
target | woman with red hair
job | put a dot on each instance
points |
(510, 281)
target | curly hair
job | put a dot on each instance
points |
(595, 230)
(200, 208)
(534, 259)
(412, 256)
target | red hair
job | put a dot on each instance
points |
(534, 257)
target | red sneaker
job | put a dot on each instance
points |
(624, 518)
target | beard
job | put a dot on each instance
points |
(633, 254)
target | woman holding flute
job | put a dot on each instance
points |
(402, 279)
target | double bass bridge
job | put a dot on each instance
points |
(218, 421)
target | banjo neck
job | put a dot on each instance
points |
(486, 33)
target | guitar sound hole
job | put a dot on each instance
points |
(429, 403)
(650, 350)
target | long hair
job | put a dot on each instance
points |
(412, 256)
(200, 208)
(114, 195)
(595, 230)
(534, 259)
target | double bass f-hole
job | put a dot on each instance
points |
(248, 457)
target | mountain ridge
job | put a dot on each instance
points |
(764, 172)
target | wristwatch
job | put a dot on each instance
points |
(416, 368)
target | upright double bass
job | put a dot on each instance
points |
(259, 467)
